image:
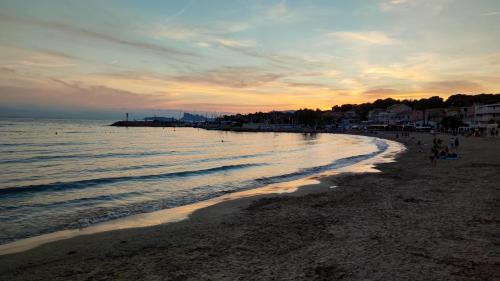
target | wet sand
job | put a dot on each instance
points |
(410, 222)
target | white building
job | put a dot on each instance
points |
(487, 113)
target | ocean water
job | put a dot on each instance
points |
(67, 174)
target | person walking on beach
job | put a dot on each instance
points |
(434, 155)
(456, 142)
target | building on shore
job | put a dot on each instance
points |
(434, 116)
(349, 120)
(464, 113)
(398, 114)
(482, 118)
(378, 116)
(487, 113)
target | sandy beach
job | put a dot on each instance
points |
(412, 221)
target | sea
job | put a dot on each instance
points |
(69, 174)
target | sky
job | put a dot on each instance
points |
(242, 56)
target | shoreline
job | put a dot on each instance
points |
(308, 184)
(411, 221)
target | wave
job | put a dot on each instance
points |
(339, 163)
(110, 180)
(44, 144)
(73, 202)
(190, 162)
(91, 156)
(13, 131)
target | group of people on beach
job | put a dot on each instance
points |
(442, 151)
(493, 132)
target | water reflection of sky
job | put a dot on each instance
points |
(89, 172)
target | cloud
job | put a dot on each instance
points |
(493, 59)
(55, 54)
(45, 60)
(174, 32)
(452, 86)
(331, 73)
(78, 31)
(236, 43)
(235, 107)
(305, 85)
(231, 77)
(7, 70)
(281, 13)
(29, 59)
(203, 44)
(390, 4)
(180, 12)
(491, 14)
(226, 77)
(282, 61)
(72, 94)
(381, 92)
(185, 32)
(427, 7)
(217, 34)
(369, 37)
(278, 11)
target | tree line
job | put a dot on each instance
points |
(458, 100)
(315, 118)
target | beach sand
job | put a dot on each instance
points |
(410, 222)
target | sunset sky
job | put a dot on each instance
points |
(243, 56)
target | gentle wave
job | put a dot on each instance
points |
(110, 180)
(339, 163)
(74, 201)
(92, 156)
(203, 160)
(52, 144)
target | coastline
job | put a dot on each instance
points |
(408, 222)
(308, 184)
